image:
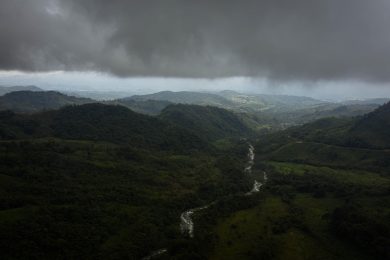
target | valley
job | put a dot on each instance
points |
(98, 180)
(186, 222)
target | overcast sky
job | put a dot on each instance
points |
(340, 46)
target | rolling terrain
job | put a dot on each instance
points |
(274, 111)
(99, 180)
(262, 113)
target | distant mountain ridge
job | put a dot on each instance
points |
(5, 90)
(262, 112)
(230, 99)
(277, 109)
(34, 101)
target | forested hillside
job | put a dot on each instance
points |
(101, 181)
(209, 122)
(370, 130)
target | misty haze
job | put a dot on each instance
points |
(186, 129)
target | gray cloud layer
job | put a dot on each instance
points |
(278, 39)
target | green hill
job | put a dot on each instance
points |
(94, 121)
(373, 128)
(33, 101)
(370, 130)
(211, 123)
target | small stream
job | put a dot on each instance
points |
(155, 254)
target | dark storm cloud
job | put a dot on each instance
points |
(300, 39)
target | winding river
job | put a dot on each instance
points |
(186, 221)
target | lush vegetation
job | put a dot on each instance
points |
(210, 122)
(100, 181)
(83, 199)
